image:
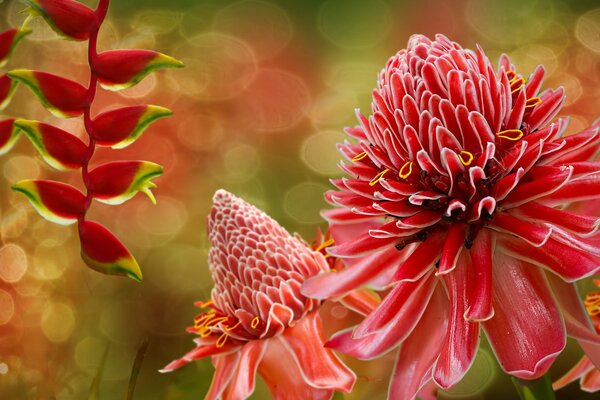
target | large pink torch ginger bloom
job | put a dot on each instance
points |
(257, 320)
(454, 193)
(585, 370)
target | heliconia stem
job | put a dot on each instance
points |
(536, 389)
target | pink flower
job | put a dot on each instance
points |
(585, 368)
(257, 320)
(454, 195)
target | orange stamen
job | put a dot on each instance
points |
(377, 177)
(406, 170)
(255, 322)
(510, 134)
(360, 156)
(229, 329)
(516, 84)
(532, 102)
(466, 158)
(221, 340)
(511, 75)
(325, 244)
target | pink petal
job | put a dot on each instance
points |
(242, 383)
(462, 337)
(591, 381)
(576, 318)
(401, 309)
(480, 308)
(452, 247)
(582, 367)
(421, 260)
(205, 347)
(320, 367)
(541, 187)
(360, 246)
(581, 224)
(225, 367)
(420, 350)
(527, 332)
(533, 234)
(584, 188)
(362, 301)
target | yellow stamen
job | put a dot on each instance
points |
(255, 322)
(517, 83)
(377, 177)
(406, 170)
(466, 158)
(510, 134)
(229, 329)
(592, 304)
(205, 304)
(221, 340)
(360, 156)
(204, 332)
(511, 75)
(532, 102)
(325, 244)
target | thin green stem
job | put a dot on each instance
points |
(536, 389)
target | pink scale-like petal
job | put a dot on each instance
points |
(577, 322)
(319, 367)
(401, 309)
(582, 367)
(462, 337)
(243, 380)
(527, 332)
(420, 350)
(480, 300)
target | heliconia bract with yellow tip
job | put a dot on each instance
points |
(454, 202)
(118, 181)
(8, 41)
(60, 149)
(57, 202)
(8, 135)
(121, 69)
(121, 127)
(62, 97)
(257, 320)
(7, 89)
(111, 182)
(69, 18)
(102, 251)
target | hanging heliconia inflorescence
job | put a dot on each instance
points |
(8, 41)
(112, 182)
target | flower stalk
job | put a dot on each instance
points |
(537, 389)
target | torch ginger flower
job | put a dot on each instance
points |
(454, 197)
(257, 320)
(585, 368)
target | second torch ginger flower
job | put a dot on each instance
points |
(454, 199)
(257, 320)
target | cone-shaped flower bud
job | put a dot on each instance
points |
(62, 97)
(257, 320)
(121, 127)
(8, 135)
(8, 41)
(103, 252)
(116, 182)
(60, 149)
(120, 69)
(68, 18)
(7, 89)
(57, 202)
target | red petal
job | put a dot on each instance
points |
(462, 337)
(580, 224)
(55, 201)
(582, 367)
(242, 382)
(7, 87)
(584, 188)
(319, 366)
(68, 17)
(362, 301)
(452, 247)
(480, 308)
(591, 381)
(421, 260)
(205, 347)
(6, 42)
(533, 234)
(225, 367)
(543, 186)
(420, 350)
(527, 332)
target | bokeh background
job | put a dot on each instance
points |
(268, 87)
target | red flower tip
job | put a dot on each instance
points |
(8, 41)
(103, 252)
(55, 201)
(7, 89)
(62, 97)
(121, 127)
(120, 69)
(60, 149)
(8, 135)
(116, 182)
(68, 18)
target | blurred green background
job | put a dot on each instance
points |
(268, 87)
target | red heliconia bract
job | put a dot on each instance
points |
(257, 320)
(453, 199)
(585, 370)
(69, 18)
